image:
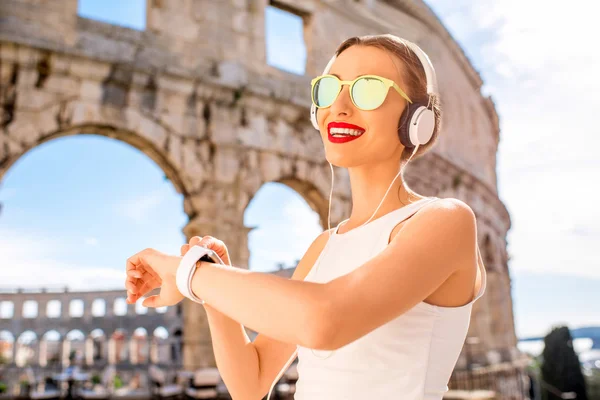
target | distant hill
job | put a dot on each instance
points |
(592, 332)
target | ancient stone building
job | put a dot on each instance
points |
(43, 327)
(194, 92)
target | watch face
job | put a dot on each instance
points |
(212, 257)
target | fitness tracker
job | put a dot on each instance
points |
(187, 267)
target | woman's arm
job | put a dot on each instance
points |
(433, 245)
(290, 311)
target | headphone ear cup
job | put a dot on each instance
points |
(422, 125)
(416, 125)
(403, 129)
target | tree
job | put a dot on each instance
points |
(561, 370)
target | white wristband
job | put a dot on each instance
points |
(186, 269)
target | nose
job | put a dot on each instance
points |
(342, 104)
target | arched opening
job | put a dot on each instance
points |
(139, 347)
(7, 345)
(284, 225)
(86, 203)
(99, 346)
(50, 349)
(117, 347)
(26, 349)
(159, 347)
(74, 348)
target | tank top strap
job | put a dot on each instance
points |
(401, 214)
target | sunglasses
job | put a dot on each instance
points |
(367, 92)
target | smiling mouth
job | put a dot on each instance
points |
(342, 132)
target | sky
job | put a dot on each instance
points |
(71, 217)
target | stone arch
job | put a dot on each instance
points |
(78, 117)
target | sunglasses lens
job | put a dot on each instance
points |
(325, 91)
(369, 93)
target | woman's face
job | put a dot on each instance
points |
(379, 139)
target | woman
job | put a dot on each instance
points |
(385, 310)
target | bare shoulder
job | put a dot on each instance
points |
(448, 221)
(445, 213)
(311, 255)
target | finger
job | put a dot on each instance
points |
(134, 273)
(184, 249)
(207, 241)
(148, 275)
(195, 240)
(140, 292)
(134, 261)
(146, 282)
(153, 301)
(131, 285)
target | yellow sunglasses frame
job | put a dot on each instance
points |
(387, 82)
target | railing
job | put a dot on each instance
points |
(508, 381)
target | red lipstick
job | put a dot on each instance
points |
(347, 137)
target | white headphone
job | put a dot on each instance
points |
(421, 123)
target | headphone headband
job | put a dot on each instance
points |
(427, 66)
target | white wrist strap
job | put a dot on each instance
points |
(185, 272)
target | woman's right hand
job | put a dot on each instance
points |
(211, 243)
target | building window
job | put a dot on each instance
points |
(7, 309)
(99, 308)
(129, 13)
(30, 309)
(53, 309)
(76, 308)
(284, 35)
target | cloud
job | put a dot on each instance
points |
(535, 60)
(33, 261)
(141, 207)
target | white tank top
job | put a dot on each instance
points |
(408, 358)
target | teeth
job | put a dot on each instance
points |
(345, 132)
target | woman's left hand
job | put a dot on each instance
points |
(150, 269)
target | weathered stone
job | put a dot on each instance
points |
(270, 166)
(90, 90)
